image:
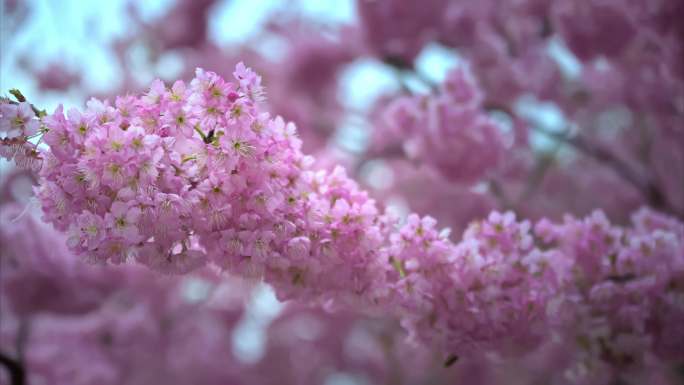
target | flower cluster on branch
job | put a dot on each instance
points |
(198, 173)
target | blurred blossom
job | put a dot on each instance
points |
(344, 192)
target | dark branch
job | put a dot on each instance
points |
(654, 196)
(451, 359)
(14, 368)
(646, 186)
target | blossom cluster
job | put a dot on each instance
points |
(624, 294)
(177, 178)
(18, 124)
(611, 292)
(150, 175)
(447, 130)
(489, 292)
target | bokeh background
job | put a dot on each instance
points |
(568, 103)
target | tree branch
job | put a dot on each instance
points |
(14, 368)
(654, 196)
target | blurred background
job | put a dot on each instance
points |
(83, 47)
(578, 117)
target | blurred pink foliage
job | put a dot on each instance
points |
(582, 285)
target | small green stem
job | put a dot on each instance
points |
(204, 137)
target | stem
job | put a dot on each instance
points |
(543, 164)
(497, 191)
(204, 137)
(20, 99)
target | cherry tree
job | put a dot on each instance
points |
(518, 217)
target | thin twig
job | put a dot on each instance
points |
(654, 196)
(543, 164)
(15, 369)
(648, 188)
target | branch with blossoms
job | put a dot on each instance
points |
(20, 126)
(196, 174)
